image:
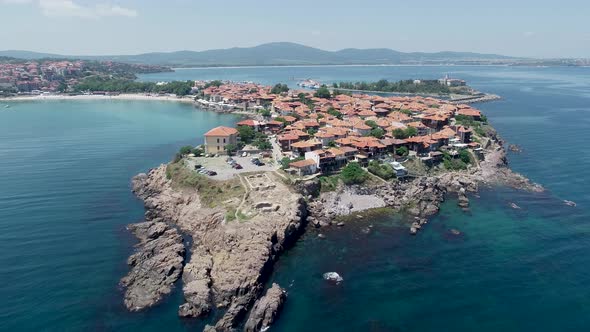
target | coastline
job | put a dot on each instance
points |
(126, 96)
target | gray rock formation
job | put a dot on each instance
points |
(266, 310)
(155, 266)
(229, 261)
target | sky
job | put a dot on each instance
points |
(542, 28)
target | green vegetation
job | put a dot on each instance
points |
(402, 151)
(123, 85)
(265, 113)
(211, 192)
(246, 133)
(404, 86)
(279, 88)
(323, 92)
(404, 133)
(476, 126)
(377, 132)
(216, 83)
(456, 164)
(329, 183)
(384, 171)
(333, 112)
(231, 149)
(353, 173)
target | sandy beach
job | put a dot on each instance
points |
(128, 96)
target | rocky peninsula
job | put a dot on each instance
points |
(240, 220)
(231, 260)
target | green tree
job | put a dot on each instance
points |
(465, 156)
(323, 92)
(353, 173)
(371, 124)
(246, 133)
(411, 131)
(377, 132)
(333, 112)
(265, 113)
(185, 150)
(279, 88)
(402, 151)
(399, 133)
(231, 149)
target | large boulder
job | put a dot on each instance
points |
(266, 310)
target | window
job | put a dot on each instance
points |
(218, 140)
(224, 140)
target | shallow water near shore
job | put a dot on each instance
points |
(65, 168)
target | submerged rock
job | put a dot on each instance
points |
(569, 203)
(266, 310)
(333, 276)
(514, 206)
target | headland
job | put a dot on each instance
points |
(304, 159)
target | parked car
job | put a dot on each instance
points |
(211, 173)
(198, 166)
(260, 163)
(245, 154)
(237, 166)
(229, 159)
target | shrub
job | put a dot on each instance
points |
(402, 151)
(353, 173)
(384, 171)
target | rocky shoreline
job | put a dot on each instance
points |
(231, 261)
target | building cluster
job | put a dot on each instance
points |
(35, 76)
(324, 134)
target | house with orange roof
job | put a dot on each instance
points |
(249, 123)
(475, 114)
(304, 167)
(420, 128)
(300, 148)
(217, 139)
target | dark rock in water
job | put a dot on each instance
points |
(413, 230)
(455, 232)
(514, 206)
(340, 224)
(155, 266)
(514, 148)
(266, 310)
(321, 236)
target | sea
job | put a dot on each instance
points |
(65, 200)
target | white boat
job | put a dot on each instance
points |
(310, 84)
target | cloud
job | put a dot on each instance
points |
(70, 8)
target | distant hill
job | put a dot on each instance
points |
(281, 53)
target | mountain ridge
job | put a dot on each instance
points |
(277, 53)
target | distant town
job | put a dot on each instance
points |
(50, 76)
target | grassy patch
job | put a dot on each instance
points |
(329, 183)
(212, 193)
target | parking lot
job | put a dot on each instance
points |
(224, 170)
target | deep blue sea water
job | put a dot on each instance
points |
(65, 200)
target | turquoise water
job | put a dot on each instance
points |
(65, 201)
